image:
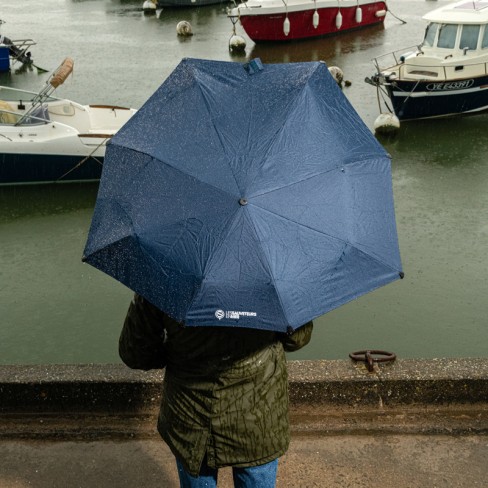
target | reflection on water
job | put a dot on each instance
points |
(54, 308)
(18, 202)
(318, 49)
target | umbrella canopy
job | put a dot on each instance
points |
(246, 195)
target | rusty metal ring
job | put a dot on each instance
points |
(366, 356)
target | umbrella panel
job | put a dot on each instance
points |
(318, 229)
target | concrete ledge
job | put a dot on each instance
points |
(86, 401)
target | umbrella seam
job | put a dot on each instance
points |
(215, 127)
(179, 170)
(339, 167)
(327, 235)
(271, 274)
(294, 102)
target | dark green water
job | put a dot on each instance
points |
(54, 309)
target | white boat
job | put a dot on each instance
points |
(45, 139)
(288, 20)
(447, 74)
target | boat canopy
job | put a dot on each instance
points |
(464, 12)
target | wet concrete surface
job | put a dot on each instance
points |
(412, 424)
(413, 461)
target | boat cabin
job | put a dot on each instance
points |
(447, 74)
(455, 45)
(460, 28)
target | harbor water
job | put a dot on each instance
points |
(55, 309)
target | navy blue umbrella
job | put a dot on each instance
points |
(246, 195)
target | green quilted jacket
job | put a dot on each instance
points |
(225, 390)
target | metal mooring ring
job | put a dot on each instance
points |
(367, 357)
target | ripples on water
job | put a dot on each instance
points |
(55, 309)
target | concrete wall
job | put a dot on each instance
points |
(439, 395)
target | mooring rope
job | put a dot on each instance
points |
(86, 158)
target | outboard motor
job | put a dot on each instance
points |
(16, 52)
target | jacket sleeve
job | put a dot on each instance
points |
(297, 339)
(141, 343)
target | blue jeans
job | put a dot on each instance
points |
(263, 476)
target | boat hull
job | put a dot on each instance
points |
(427, 99)
(269, 26)
(65, 141)
(47, 168)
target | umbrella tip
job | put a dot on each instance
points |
(402, 274)
(83, 259)
(254, 66)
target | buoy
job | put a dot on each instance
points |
(359, 15)
(337, 74)
(183, 28)
(149, 6)
(386, 124)
(380, 13)
(286, 26)
(338, 20)
(237, 44)
(315, 19)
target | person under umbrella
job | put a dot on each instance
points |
(225, 393)
(240, 203)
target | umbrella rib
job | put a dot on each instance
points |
(291, 103)
(218, 133)
(272, 139)
(179, 170)
(315, 175)
(269, 269)
(299, 224)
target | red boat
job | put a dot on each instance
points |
(287, 20)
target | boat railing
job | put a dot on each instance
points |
(10, 94)
(394, 58)
(57, 78)
(19, 50)
(423, 69)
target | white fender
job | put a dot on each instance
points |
(286, 26)
(359, 15)
(337, 74)
(315, 19)
(386, 123)
(149, 6)
(338, 20)
(183, 28)
(237, 43)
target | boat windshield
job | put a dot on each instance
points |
(484, 41)
(430, 32)
(469, 37)
(17, 95)
(447, 36)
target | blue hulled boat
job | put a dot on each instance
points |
(447, 74)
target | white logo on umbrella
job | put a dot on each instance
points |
(220, 314)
